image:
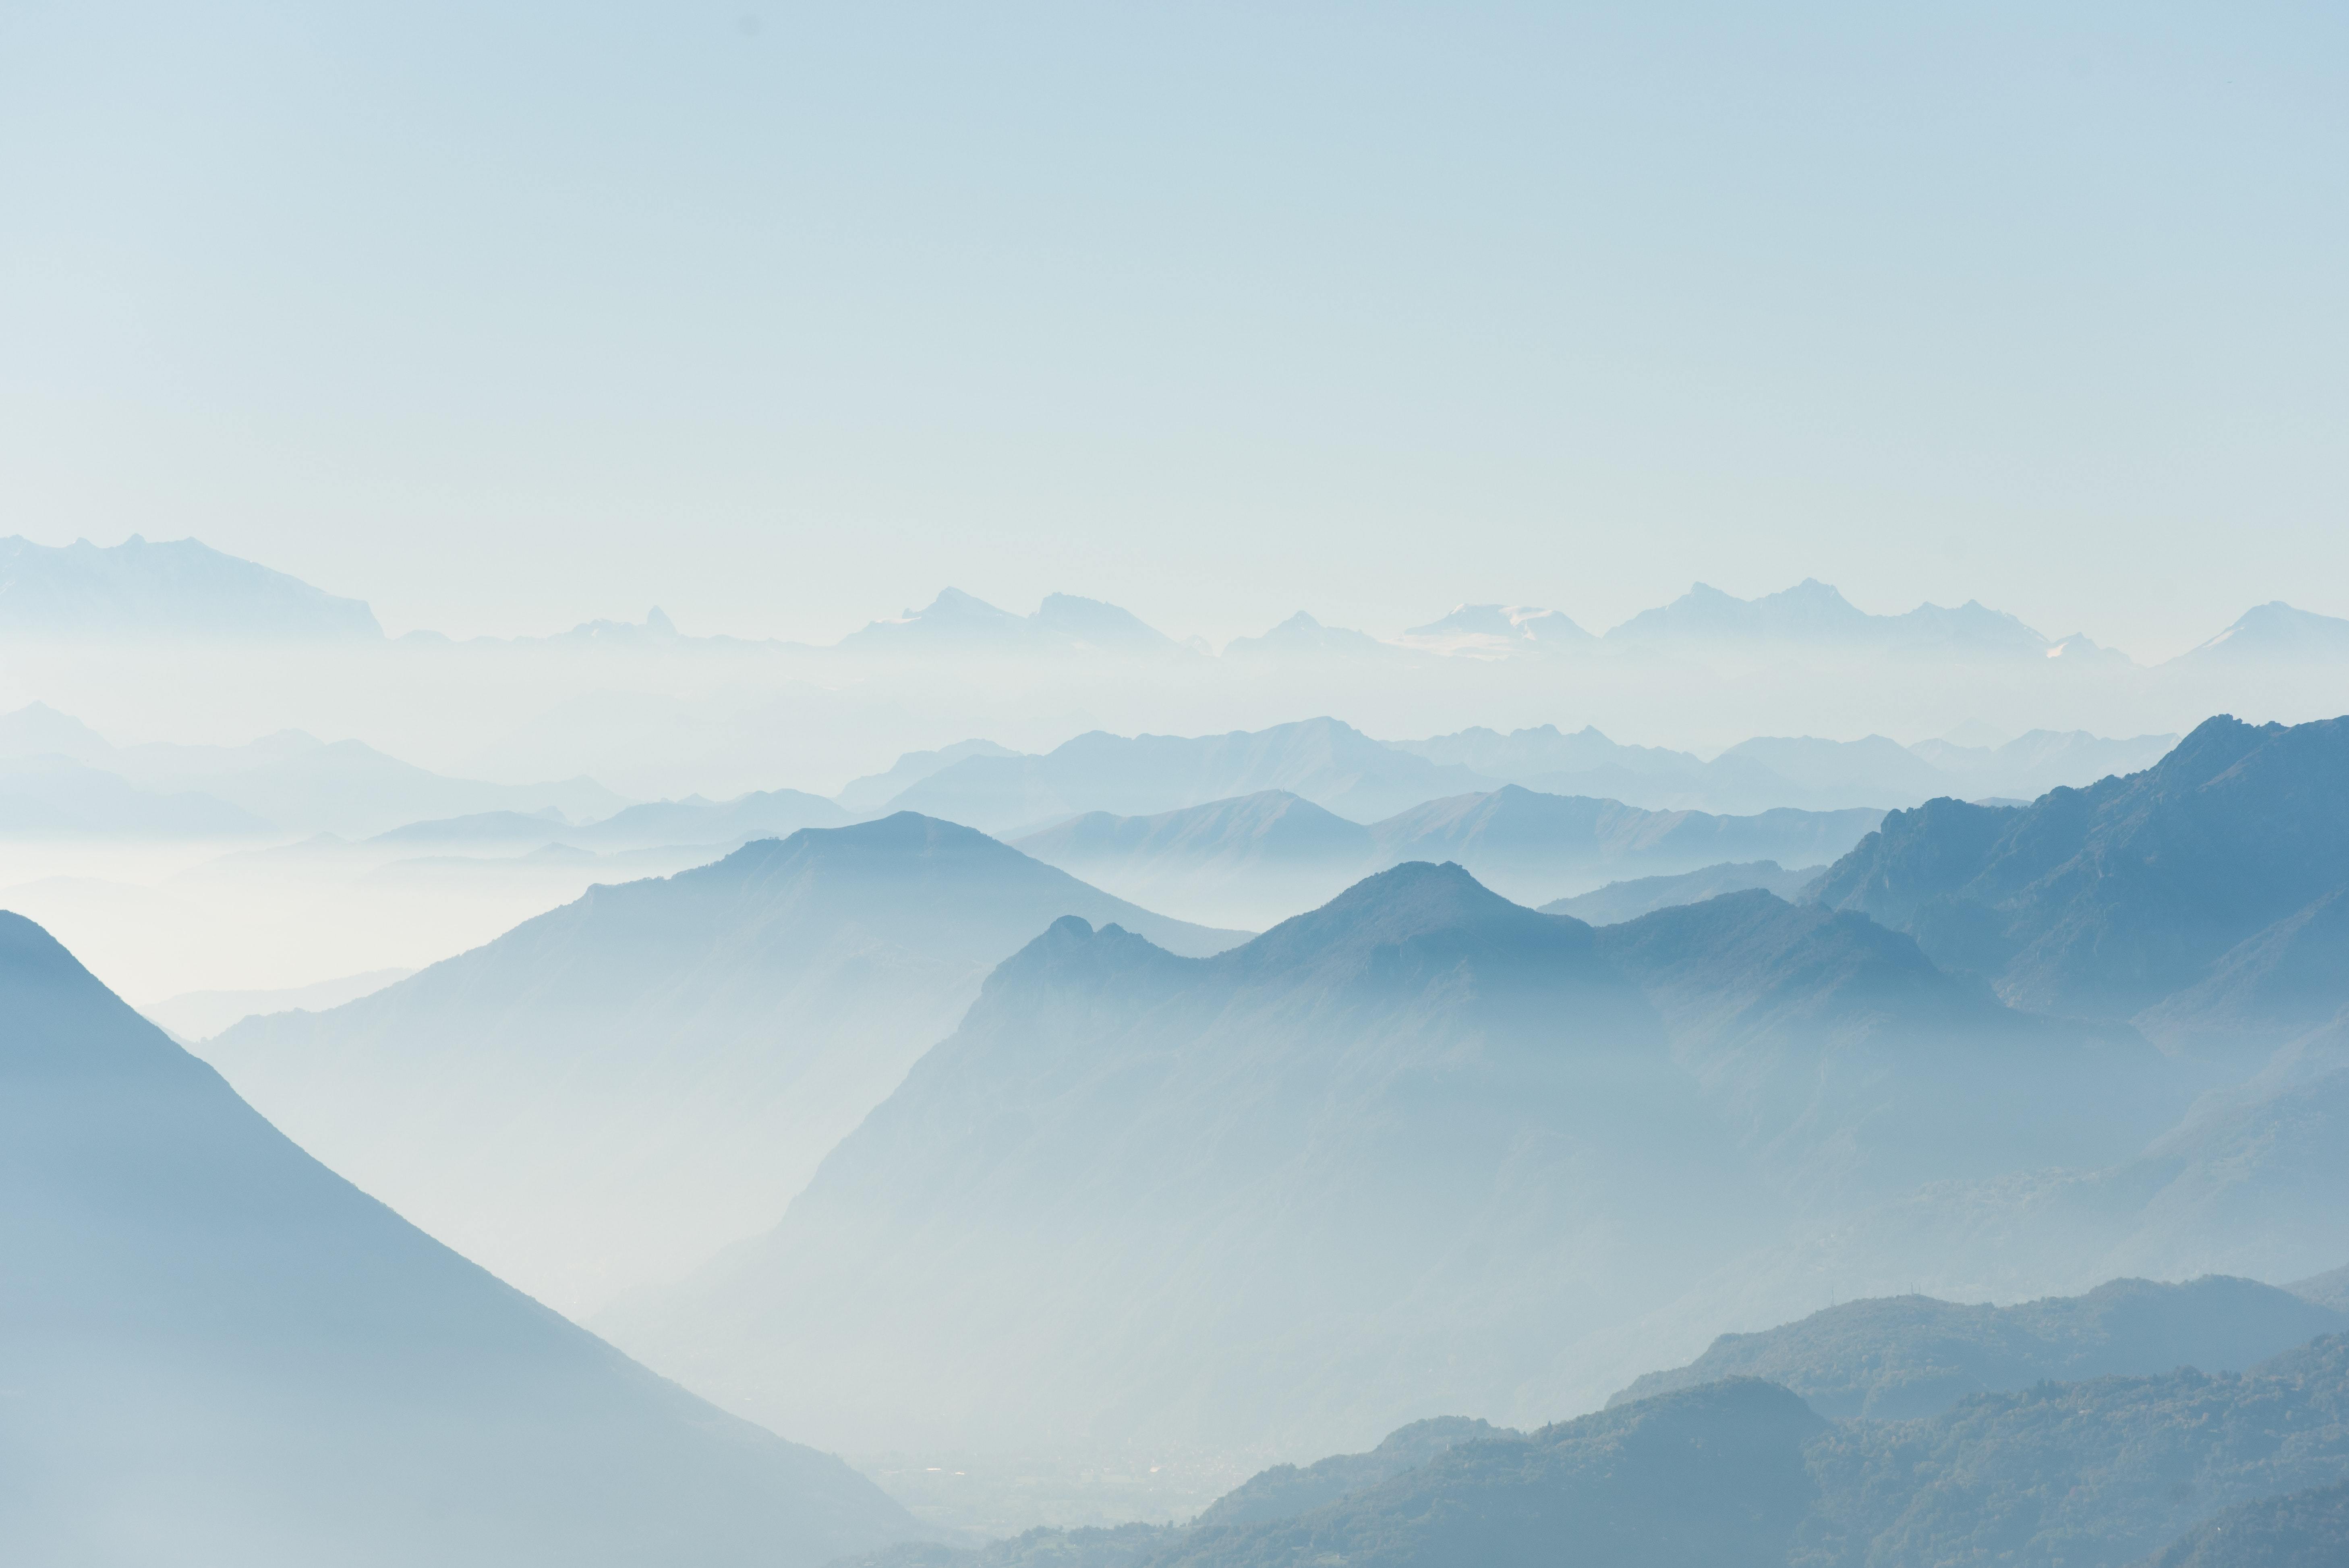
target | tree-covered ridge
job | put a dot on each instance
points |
(2302, 1530)
(2084, 1475)
(2094, 1474)
(1689, 1480)
(1285, 1491)
(1899, 1357)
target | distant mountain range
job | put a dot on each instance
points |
(955, 623)
(1768, 772)
(1387, 1156)
(611, 1092)
(57, 775)
(183, 590)
(1810, 621)
(218, 1353)
(1263, 857)
(1629, 899)
(136, 592)
(1325, 761)
(1336, 767)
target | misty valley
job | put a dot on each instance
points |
(1173, 786)
(1273, 1146)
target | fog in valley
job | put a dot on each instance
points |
(1172, 790)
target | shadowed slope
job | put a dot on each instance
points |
(2103, 902)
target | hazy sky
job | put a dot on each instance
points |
(505, 316)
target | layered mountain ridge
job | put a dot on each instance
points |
(614, 1089)
(1391, 1152)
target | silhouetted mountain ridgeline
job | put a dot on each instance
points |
(2101, 1472)
(610, 1093)
(1899, 1357)
(1389, 1154)
(1273, 853)
(218, 1353)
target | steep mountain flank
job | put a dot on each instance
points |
(217, 1352)
(2203, 872)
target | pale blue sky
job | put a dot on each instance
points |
(505, 316)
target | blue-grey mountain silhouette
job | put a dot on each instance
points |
(955, 623)
(1260, 858)
(874, 791)
(1302, 637)
(1277, 1191)
(219, 1353)
(1812, 615)
(2272, 633)
(1392, 1155)
(1899, 1357)
(1852, 1069)
(1333, 764)
(177, 588)
(2204, 871)
(1636, 896)
(1497, 627)
(2096, 1473)
(610, 1092)
(1535, 846)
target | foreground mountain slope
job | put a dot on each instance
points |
(218, 1352)
(1742, 1470)
(2092, 1474)
(612, 1091)
(1897, 1357)
(1282, 1491)
(2087, 1475)
(1276, 1192)
(2300, 1530)
(1694, 1479)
